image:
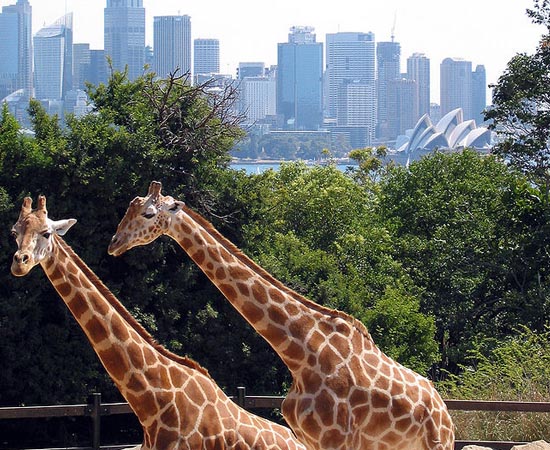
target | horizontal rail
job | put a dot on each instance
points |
(270, 401)
(495, 405)
(96, 409)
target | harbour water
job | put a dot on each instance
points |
(257, 167)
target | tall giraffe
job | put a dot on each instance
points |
(176, 401)
(346, 394)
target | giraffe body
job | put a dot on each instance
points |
(176, 401)
(346, 393)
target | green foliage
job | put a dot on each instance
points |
(305, 146)
(519, 114)
(516, 368)
(316, 230)
(407, 335)
(90, 170)
(470, 233)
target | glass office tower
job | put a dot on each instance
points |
(16, 47)
(299, 80)
(53, 61)
(124, 35)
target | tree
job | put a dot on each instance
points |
(520, 113)
(471, 233)
(317, 231)
(515, 368)
(139, 131)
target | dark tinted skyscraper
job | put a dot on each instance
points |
(250, 69)
(299, 80)
(388, 57)
(16, 45)
(172, 44)
(124, 33)
(81, 65)
(479, 93)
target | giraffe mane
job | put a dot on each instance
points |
(125, 314)
(241, 256)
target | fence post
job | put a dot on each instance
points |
(96, 419)
(241, 396)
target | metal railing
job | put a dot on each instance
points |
(95, 410)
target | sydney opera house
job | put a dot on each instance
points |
(450, 133)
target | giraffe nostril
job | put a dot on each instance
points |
(21, 258)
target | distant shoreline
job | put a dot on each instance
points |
(281, 161)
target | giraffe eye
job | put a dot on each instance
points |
(148, 215)
(46, 235)
(14, 234)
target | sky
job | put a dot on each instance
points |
(488, 32)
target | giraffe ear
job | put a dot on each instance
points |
(174, 206)
(60, 227)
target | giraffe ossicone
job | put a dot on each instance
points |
(346, 393)
(176, 401)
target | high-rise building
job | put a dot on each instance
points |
(124, 35)
(299, 80)
(456, 86)
(357, 108)
(9, 54)
(257, 96)
(53, 60)
(81, 65)
(172, 45)
(98, 67)
(479, 93)
(388, 56)
(402, 106)
(16, 48)
(250, 69)
(206, 56)
(418, 69)
(350, 58)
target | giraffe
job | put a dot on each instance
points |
(178, 404)
(346, 393)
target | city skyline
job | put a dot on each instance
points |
(488, 33)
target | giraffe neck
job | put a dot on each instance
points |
(126, 350)
(293, 325)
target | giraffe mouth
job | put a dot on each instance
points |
(19, 269)
(116, 247)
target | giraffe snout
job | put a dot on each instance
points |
(21, 263)
(116, 246)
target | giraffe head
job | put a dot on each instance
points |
(145, 220)
(33, 233)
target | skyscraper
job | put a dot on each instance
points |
(53, 61)
(250, 69)
(299, 80)
(98, 67)
(257, 96)
(16, 47)
(172, 45)
(402, 106)
(418, 69)
(206, 54)
(81, 65)
(124, 33)
(350, 57)
(479, 93)
(388, 58)
(456, 86)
